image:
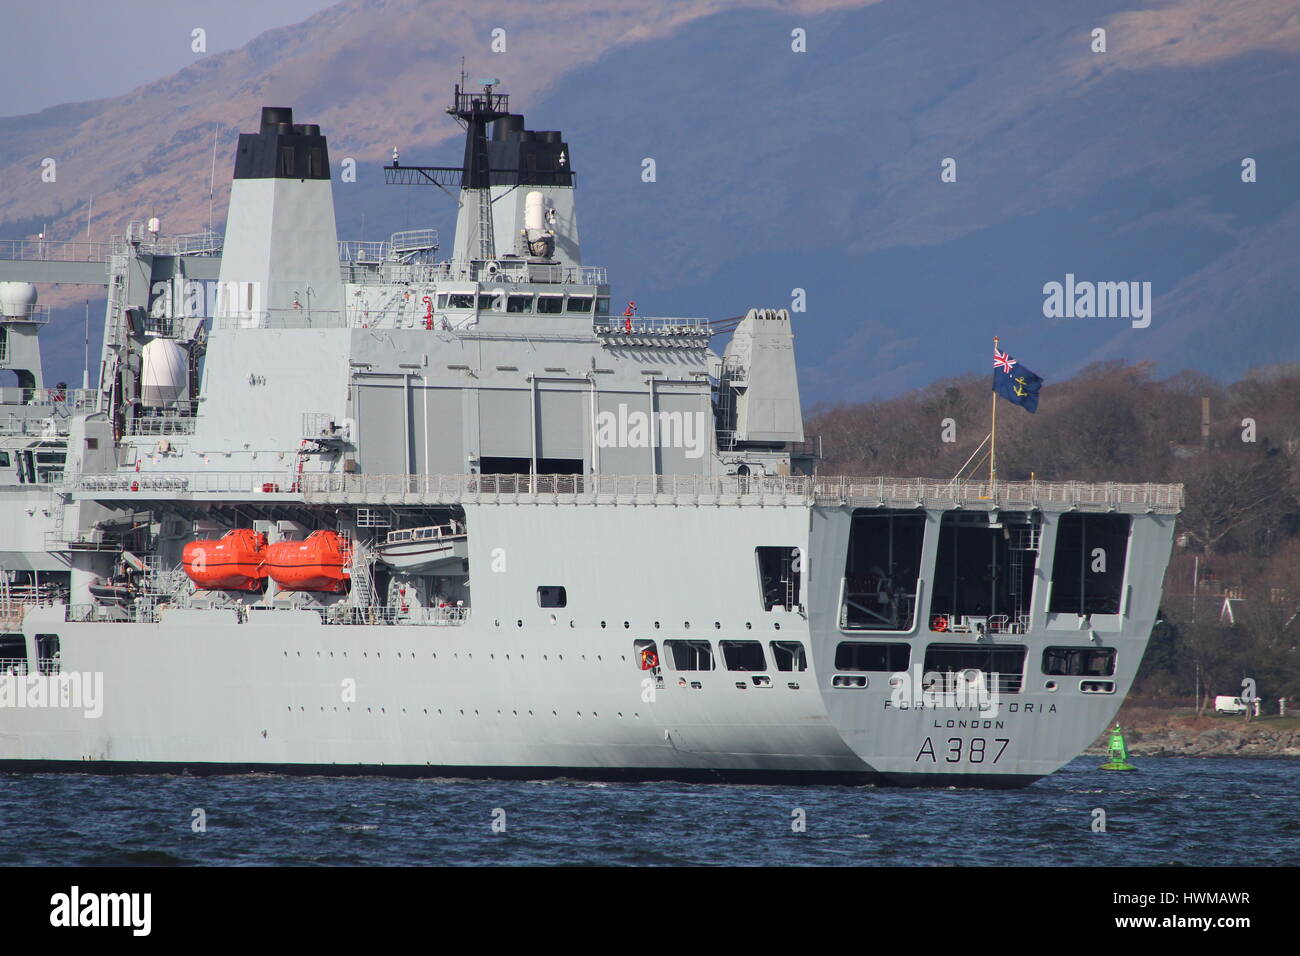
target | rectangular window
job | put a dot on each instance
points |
(286, 161)
(317, 159)
(580, 303)
(1079, 661)
(1088, 570)
(550, 304)
(690, 655)
(4, 459)
(13, 654)
(602, 305)
(47, 653)
(485, 301)
(457, 300)
(552, 596)
(861, 656)
(882, 570)
(50, 457)
(778, 577)
(984, 573)
(442, 300)
(1005, 661)
(91, 444)
(519, 303)
(743, 655)
(789, 656)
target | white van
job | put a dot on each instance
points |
(1230, 705)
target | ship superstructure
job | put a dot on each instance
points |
(349, 507)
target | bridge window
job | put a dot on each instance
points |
(4, 459)
(882, 570)
(1088, 570)
(519, 303)
(552, 596)
(789, 656)
(550, 304)
(316, 157)
(743, 655)
(1005, 661)
(861, 656)
(460, 300)
(1079, 661)
(580, 303)
(984, 572)
(286, 161)
(602, 305)
(690, 655)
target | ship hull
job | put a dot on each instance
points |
(518, 691)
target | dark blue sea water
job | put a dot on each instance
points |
(1190, 811)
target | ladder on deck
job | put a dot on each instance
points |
(363, 584)
(486, 240)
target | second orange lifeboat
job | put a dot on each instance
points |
(230, 563)
(316, 564)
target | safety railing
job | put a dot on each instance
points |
(792, 489)
(13, 667)
(385, 614)
(651, 325)
(56, 398)
(173, 424)
(36, 314)
(50, 250)
(139, 238)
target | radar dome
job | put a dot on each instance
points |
(17, 298)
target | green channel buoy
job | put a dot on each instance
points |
(1118, 752)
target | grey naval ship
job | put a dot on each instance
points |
(352, 507)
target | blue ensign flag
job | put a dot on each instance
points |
(1014, 382)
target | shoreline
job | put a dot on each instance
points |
(1156, 729)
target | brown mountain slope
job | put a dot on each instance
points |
(373, 73)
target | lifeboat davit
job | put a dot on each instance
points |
(314, 564)
(230, 563)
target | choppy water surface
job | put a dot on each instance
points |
(1194, 811)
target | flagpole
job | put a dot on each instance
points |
(993, 444)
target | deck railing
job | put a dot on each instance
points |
(785, 490)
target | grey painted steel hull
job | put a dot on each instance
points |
(518, 690)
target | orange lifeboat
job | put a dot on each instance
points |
(230, 563)
(316, 564)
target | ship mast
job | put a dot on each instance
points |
(477, 110)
